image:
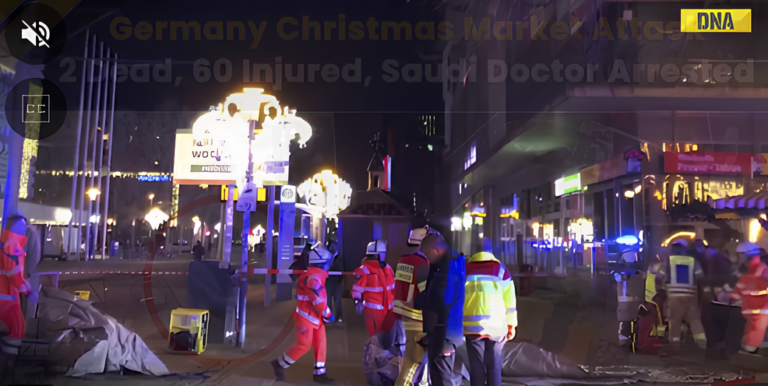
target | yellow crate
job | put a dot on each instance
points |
(83, 294)
(195, 322)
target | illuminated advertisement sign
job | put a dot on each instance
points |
(568, 184)
(216, 150)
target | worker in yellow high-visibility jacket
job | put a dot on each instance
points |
(490, 317)
(682, 278)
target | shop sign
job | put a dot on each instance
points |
(568, 184)
(708, 163)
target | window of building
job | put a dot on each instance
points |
(471, 157)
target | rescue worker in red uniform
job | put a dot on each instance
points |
(311, 313)
(752, 290)
(410, 280)
(12, 283)
(374, 291)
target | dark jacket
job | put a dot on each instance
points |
(336, 266)
(454, 299)
(198, 251)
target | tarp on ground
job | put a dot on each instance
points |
(383, 355)
(88, 341)
(527, 364)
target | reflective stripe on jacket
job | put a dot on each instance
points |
(410, 280)
(490, 304)
(375, 286)
(312, 303)
(683, 273)
(752, 289)
(12, 255)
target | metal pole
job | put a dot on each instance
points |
(77, 148)
(101, 157)
(222, 225)
(88, 235)
(270, 244)
(244, 248)
(85, 152)
(109, 147)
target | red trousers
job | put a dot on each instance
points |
(306, 338)
(10, 314)
(377, 321)
(754, 330)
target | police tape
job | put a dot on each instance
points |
(118, 273)
(264, 271)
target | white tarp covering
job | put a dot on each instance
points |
(77, 330)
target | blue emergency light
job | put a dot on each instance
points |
(627, 240)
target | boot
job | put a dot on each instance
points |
(278, 370)
(322, 378)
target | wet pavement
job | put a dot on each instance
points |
(562, 316)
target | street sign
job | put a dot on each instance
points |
(225, 193)
(261, 194)
(288, 194)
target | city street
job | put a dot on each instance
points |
(562, 316)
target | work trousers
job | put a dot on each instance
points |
(484, 362)
(442, 355)
(685, 308)
(411, 370)
(11, 315)
(306, 338)
(377, 321)
(335, 290)
(626, 312)
(754, 331)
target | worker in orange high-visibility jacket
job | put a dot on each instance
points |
(374, 291)
(12, 284)
(410, 280)
(752, 290)
(311, 313)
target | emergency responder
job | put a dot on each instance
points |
(752, 290)
(629, 293)
(374, 291)
(12, 283)
(311, 313)
(435, 303)
(490, 317)
(682, 277)
(410, 280)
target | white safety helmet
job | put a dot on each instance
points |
(416, 235)
(748, 248)
(376, 247)
(320, 257)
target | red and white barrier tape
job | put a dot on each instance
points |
(293, 271)
(123, 273)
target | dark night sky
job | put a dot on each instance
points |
(347, 113)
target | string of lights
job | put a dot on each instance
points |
(142, 176)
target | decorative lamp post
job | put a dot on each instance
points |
(92, 194)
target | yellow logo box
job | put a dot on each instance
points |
(716, 20)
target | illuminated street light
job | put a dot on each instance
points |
(93, 194)
(196, 221)
(155, 217)
(151, 199)
(629, 194)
